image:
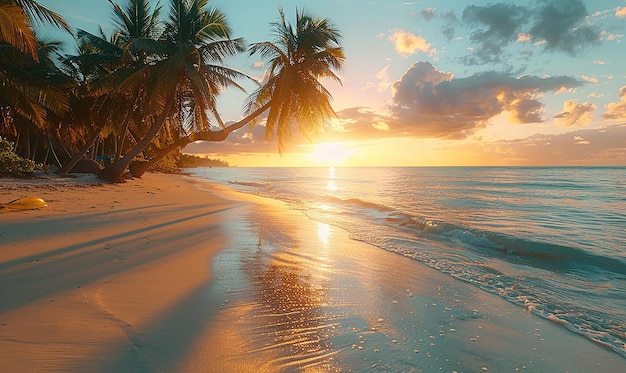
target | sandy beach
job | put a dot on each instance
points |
(171, 274)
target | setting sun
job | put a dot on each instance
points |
(330, 153)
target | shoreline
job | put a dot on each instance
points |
(149, 275)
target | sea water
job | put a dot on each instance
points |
(551, 239)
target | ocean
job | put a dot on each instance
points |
(550, 239)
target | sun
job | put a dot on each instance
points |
(330, 154)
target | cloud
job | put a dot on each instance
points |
(381, 126)
(428, 13)
(407, 43)
(617, 110)
(585, 147)
(556, 25)
(502, 24)
(456, 107)
(561, 23)
(382, 77)
(578, 140)
(429, 103)
(620, 12)
(575, 114)
(590, 79)
(609, 36)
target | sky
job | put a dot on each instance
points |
(439, 83)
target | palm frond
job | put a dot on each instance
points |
(15, 29)
(299, 56)
(43, 15)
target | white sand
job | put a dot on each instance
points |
(112, 278)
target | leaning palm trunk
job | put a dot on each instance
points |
(214, 136)
(115, 171)
(81, 153)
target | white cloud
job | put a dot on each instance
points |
(407, 44)
(384, 82)
(575, 114)
(610, 36)
(590, 79)
(581, 140)
(617, 110)
(382, 126)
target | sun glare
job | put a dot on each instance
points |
(330, 153)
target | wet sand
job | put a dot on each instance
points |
(169, 274)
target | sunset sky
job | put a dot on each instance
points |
(437, 83)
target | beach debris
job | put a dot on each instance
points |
(25, 203)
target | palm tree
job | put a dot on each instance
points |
(299, 57)
(27, 93)
(27, 90)
(196, 41)
(17, 18)
(101, 61)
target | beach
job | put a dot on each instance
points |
(169, 273)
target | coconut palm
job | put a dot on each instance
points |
(27, 84)
(17, 18)
(103, 61)
(299, 57)
(196, 40)
(26, 79)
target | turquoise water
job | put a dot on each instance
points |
(552, 240)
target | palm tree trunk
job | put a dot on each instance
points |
(27, 144)
(34, 152)
(215, 136)
(120, 146)
(114, 172)
(54, 153)
(81, 153)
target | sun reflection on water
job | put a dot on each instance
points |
(323, 232)
(330, 184)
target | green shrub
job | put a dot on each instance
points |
(13, 163)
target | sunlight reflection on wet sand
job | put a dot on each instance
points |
(299, 295)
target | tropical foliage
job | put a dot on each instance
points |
(151, 87)
(10, 162)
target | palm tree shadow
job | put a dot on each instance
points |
(39, 278)
(168, 338)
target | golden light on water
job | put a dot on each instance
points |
(323, 233)
(330, 184)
